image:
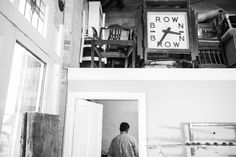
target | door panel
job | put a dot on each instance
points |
(87, 129)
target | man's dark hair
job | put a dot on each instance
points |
(124, 126)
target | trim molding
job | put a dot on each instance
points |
(152, 74)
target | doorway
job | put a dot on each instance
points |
(139, 98)
(115, 112)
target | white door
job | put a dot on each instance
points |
(87, 129)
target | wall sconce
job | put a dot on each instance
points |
(61, 5)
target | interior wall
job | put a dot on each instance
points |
(115, 112)
(170, 104)
(6, 52)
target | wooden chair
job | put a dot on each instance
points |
(118, 45)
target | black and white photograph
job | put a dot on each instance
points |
(117, 78)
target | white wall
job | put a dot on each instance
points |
(115, 112)
(7, 35)
(170, 103)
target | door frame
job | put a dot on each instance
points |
(71, 102)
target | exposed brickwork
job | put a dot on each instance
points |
(76, 33)
(72, 22)
(62, 106)
(71, 52)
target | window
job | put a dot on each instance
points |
(24, 94)
(34, 11)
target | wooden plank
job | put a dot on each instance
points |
(139, 31)
(113, 42)
(40, 135)
(191, 28)
(134, 55)
(145, 33)
(194, 30)
(92, 54)
(113, 55)
(23, 136)
(174, 51)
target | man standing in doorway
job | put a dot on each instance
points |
(123, 145)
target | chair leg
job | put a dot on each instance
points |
(112, 63)
(133, 56)
(100, 62)
(126, 62)
(92, 54)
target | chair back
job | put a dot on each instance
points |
(95, 34)
(115, 32)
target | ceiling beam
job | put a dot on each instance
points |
(108, 5)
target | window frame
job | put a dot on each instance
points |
(43, 83)
(33, 9)
(40, 93)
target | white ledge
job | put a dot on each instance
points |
(151, 74)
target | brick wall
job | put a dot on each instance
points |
(62, 106)
(72, 22)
